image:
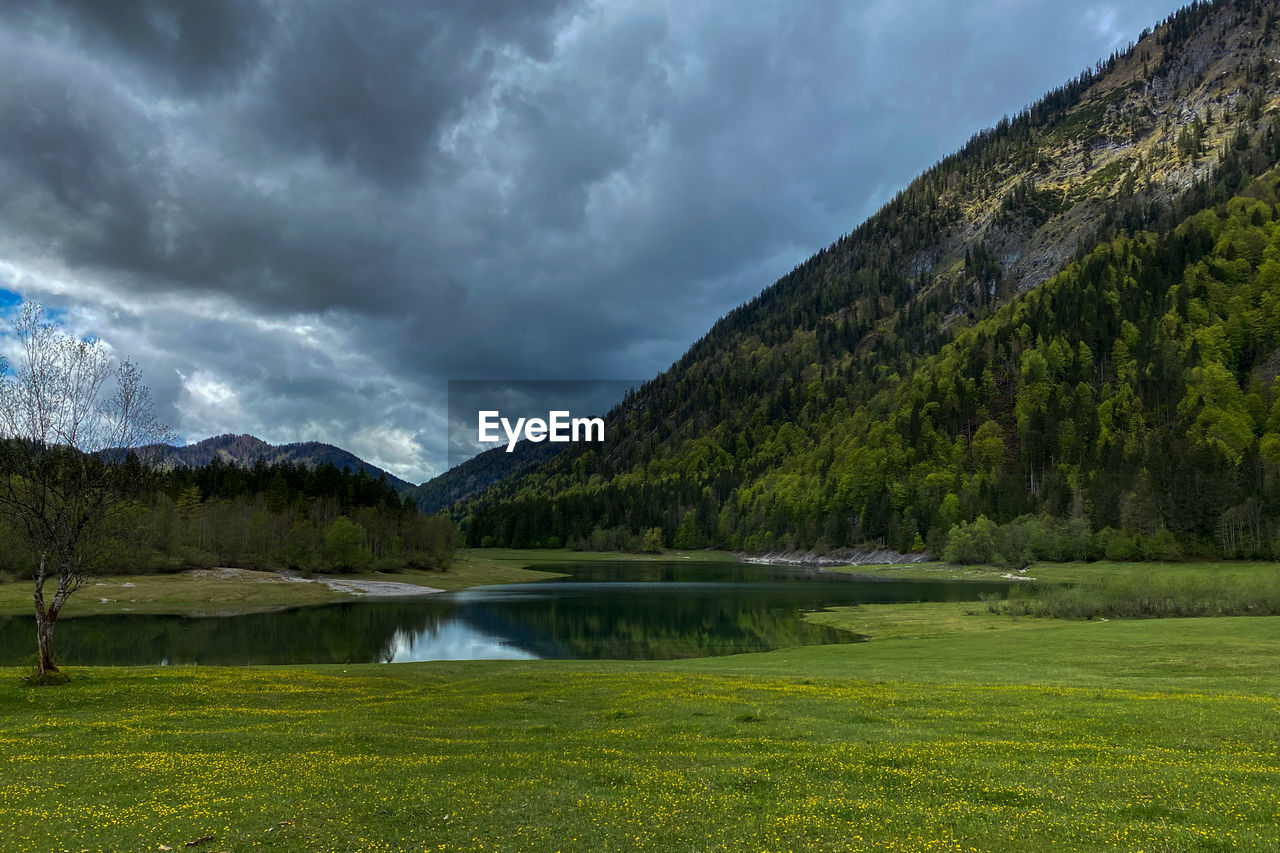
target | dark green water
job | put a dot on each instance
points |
(620, 610)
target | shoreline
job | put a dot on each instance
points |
(232, 591)
(842, 557)
(227, 591)
(363, 588)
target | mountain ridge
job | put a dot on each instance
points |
(244, 450)
(473, 476)
(754, 432)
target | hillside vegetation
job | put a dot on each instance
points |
(478, 473)
(280, 516)
(1060, 342)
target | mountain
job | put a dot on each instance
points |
(245, 450)
(478, 473)
(1074, 319)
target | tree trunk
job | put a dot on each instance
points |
(45, 617)
(44, 642)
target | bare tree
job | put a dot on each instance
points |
(78, 437)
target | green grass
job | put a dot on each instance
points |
(924, 571)
(917, 621)
(186, 592)
(1072, 572)
(985, 733)
(952, 728)
(468, 569)
(1147, 596)
(245, 591)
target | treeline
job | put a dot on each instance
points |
(269, 516)
(1029, 539)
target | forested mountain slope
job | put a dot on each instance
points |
(478, 473)
(920, 372)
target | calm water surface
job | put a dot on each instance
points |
(621, 610)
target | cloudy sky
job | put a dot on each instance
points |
(302, 218)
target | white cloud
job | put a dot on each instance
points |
(394, 449)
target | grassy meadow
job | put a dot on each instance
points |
(952, 728)
(205, 591)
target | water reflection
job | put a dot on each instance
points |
(453, 640)
(618, 610)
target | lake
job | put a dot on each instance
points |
(620, 610)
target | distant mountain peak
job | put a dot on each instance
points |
(245, 450)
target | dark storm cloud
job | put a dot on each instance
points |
(303, 217)
(195, 46)
(370, 85)
(69, 171)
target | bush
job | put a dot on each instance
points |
(190, 557)
(1120, 544)
(1030, 538)
(299, 548)
(651, 542)
(971, 543)
(344, 546)
(1163, 546)
(609, 539)
(393, 564)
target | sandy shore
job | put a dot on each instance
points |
(347, 586)
(374, 589)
